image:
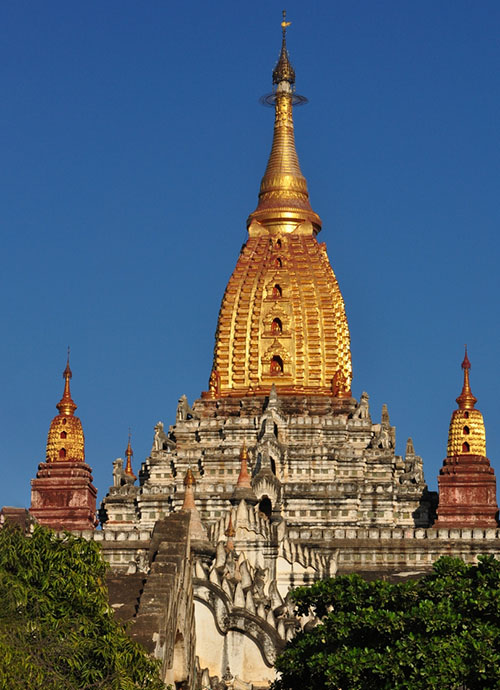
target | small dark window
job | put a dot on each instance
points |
(466, 430)
(62, 453)
(266, 507)
(278, 243)
(278, 263)
(64, 421)
(466, 415)
(276, 366)
(277, 291)
(465, 447)
(276, 326)
(63, 434)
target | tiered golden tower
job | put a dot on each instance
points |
(467, 484)
(66, 440)
(467, 433)
(282, 318)
(62, 494)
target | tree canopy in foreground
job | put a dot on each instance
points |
(57, 630)
(442, 631)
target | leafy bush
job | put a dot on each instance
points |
(442, 631)
(57, 630)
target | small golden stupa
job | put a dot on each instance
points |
(467, 433)
(65, 441)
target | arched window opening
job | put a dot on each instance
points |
(266, 507)
(278, 243)
(64, 421)
(466, 430)
(273, 466)
(62, 453)
(278, 263)
(276, 365)
(277, 291)
(465, 447)
(276, 326)
(466, 415)
(63, 434)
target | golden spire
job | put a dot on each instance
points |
(129, 452)
(283, 197)
(197, 531)
(65, 441)
(66, 406)
(466, 400)
(282, 320)
(466, 434)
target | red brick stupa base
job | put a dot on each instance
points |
(467, 493)
(63, 496)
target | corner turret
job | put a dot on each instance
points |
(467, 484)
(62, 494)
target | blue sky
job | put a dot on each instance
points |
(132, 150)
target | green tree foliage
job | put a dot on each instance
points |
(57, 630)
(442, 631)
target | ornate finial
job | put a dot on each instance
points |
(189, 479)
(284, 23)
(283, 196)
(66, 406)
(466, 362)
(284, 70)
(67, 372)
(129, 452)
(466, 400)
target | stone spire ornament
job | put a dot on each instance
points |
(467, 484)
(243, 490)
(198, 534)
(230, 534)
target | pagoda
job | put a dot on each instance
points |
(467, 484)
(62, 495)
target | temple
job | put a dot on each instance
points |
(276, 476)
